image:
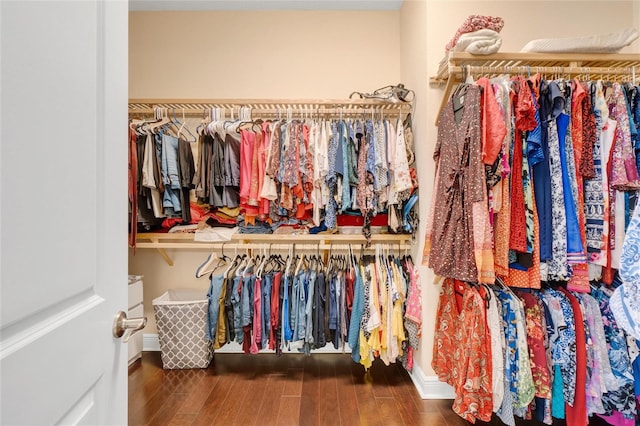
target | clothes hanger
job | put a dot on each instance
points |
(212, 263)
(184, 127)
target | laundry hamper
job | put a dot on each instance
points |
(181, 317)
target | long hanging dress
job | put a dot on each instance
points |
(449, 243)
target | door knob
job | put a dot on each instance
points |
(127, 327)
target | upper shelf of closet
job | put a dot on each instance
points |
(186, 240)
(591, 65)
(319, 242)
(269, 106)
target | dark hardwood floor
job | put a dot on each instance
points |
(239, 389)
(323, 389)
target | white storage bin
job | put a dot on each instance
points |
(181, 317)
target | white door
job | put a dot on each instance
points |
(63, 220)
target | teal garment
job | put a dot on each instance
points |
(356, 316)
(557, 399)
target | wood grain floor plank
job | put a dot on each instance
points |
(215, 401)
(244, 396)
(198, 395)
(327, 395)
(367, 406)
(289, 412)
(347, 398)
(403, 391)
(432, 419)
(380, 387)
(389, 413)
(309, 394)
(168, 410)
(269, 407)
(293, 382)
(165, 383)
(183, 419)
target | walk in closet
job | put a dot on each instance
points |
(528, 297)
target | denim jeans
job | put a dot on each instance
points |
(298, 306)
(213, 295)
(236, 303)
(319, 338)
(310, 290)
(287, 332)
(246, 294)
(267, 282)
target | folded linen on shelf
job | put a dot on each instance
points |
(481, 42)
(475, 23)
(599, 43)
(214, 234)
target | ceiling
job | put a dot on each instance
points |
(158, 5)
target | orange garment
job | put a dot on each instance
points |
(518, 235)
(493, 127)
(459, 352)
(525, 113)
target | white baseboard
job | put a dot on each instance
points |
(429, 387)
(150, 342)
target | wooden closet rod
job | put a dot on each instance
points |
(592, 72)
(456, 73)
(269, 103)
(273, 113)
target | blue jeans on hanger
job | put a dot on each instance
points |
(213, 295)
(237, 309)
(267, 283)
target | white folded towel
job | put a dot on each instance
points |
(599, 43)
(481, 42)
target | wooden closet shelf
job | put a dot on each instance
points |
(307, 242)
(593, 64)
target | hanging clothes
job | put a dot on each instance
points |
(301, 304)
(558, 188)
(561, 175)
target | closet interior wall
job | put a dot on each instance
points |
(293, 55)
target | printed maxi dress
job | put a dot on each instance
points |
(449, 243)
